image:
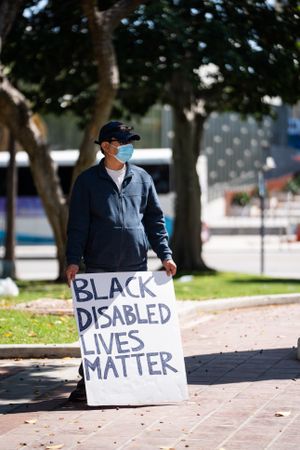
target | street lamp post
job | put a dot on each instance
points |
(269, 165)
(262, 196)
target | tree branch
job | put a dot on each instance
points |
(120, 10)
(8, 11)
(101, 37)
(16, 114)
(104, 22)
(101, 26)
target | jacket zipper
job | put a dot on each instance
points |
(121, 204)
(121, 216)
(122, 229)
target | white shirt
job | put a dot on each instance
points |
(117, 175)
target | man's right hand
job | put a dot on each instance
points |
(71, 272)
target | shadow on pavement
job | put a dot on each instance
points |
(40, 387)
(26, 383)
(243, 366)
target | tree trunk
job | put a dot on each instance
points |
(108, 83)
(188, 124)
(101, 27)
(54, 202)
(8, 11)
(9, 263)
(17, 116)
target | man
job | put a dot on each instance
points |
(114, 212)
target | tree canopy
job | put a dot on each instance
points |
(16, 109)
(54, 65)
(232, 54)
(198, 56)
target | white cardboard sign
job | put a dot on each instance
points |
(129, 337)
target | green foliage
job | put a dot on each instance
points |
(18, 327)
(253, 45)
(51, 60)
(241, 199)
(225, 284)
(293, 185)
(247, 43)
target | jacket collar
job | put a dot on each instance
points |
(103, 173)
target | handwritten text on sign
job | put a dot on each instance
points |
(129, 338)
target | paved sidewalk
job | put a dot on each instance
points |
(244, 384)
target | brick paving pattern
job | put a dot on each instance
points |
(244, 390)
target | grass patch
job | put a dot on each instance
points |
(201, 287)
(18, 327)
(33, 290)
(226, 284)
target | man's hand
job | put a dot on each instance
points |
(170, 267)
(71, 272)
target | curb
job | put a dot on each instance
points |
(243, 302)
(187, 311)
(24, 351)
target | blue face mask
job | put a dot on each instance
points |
(124, 152)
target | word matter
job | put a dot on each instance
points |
(152, 363)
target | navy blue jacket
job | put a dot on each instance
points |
(109, 228)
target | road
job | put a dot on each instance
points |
(243, 254)
(226, 253)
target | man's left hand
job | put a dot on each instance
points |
(170, 267)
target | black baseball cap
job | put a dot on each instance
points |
(116, 130)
